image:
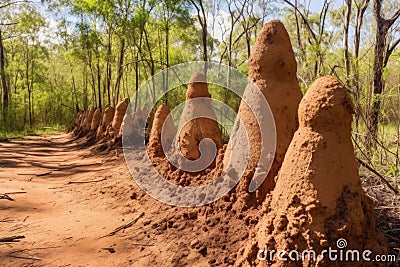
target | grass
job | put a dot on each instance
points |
(384, 156)
(4, 135)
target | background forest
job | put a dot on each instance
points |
(60, 57)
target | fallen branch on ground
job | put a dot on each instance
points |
(129, 224)
(14, 238)
(25, 258)
(68, 167)
(43, 174)
(5, 196)
(364, 164)
(386, 207)
(85, 182)
(6, 219)
(17, 192)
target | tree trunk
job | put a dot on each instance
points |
(202, 17)
(356, 72)
(381, 53)
(166, 59)
(346, 39)
(120, 71)
(151, 65)
(108, 79)
(3, 80)
(99, 80)
(28, 85)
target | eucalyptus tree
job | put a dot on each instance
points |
(382, 51)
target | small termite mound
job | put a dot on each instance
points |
(81, 125)
(161, 122)
(193, 131)
(273, 68)
(76, 123)
(88, 121)
(318, 200)
(119, 114)
(106, 120)
(95, 121)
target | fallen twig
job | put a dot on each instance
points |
(68, 167)
(129, 224)
(17, 192)
(30, 249)
(43, 174)
(386, 207)
(25, 258)
(7, 219)
(85, 182)
(393, 230)
(141, 244)
(364, 164)
(395, 238)
(14, 238)
(7, 197)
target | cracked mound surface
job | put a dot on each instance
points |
(318, 197)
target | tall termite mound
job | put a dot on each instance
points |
(106, 120)
(195, 130)
(318, 198)
(273, 68)
(119, 114)
(95, 121)
(161, 122)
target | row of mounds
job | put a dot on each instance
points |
(312, 196)
(101, 127)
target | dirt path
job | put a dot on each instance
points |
(64, 222)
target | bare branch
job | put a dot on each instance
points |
(9, 24)
(13, 3)
(304, 19)
(389, 51)
(394, 17)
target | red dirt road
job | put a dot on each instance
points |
(64, 221)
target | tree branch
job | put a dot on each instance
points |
(394, 18)
(13, 3)
(304, 19)
(9, 24)
(389, 51)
